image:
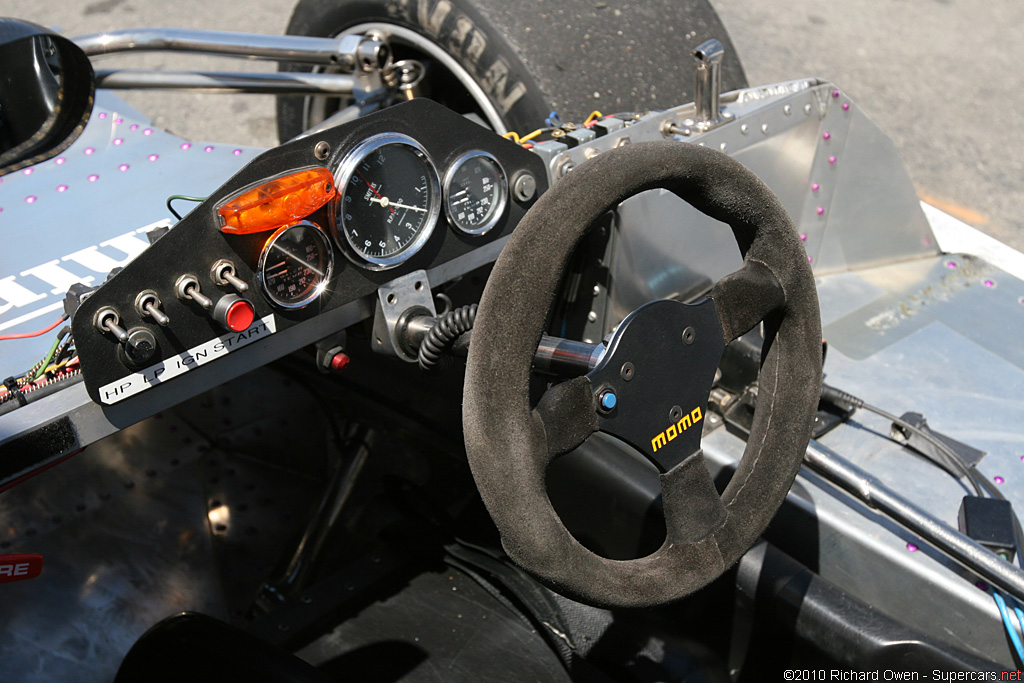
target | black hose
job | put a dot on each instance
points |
(442, 335)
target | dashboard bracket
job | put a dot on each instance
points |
(396, 300)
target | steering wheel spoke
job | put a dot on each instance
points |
(568, 413)
(747, 296)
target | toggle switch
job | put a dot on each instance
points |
(107, 320)
(223, 273)
(187, 287)
(147, 303)
(234, 313)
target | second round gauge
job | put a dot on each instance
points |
(475, 193)
(295, 265)
(389, 202)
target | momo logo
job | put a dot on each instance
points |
(687, 421)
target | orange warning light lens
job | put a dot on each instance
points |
(277, 202)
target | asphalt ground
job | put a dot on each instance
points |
(941, 77)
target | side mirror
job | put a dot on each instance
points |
(47, 88)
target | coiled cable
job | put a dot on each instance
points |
(442, 335)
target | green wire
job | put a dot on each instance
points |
(183, 197)
(49, 357)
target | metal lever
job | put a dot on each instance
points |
(708, 84)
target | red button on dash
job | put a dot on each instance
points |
(239, 316)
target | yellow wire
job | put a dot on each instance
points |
(512, 135)
(593, 115)
(531, 136)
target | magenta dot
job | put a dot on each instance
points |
(810, 260)
(911, 547)
(237, 152)
(134, 126)
(1022, 458)
(119, 120)
(31, 199)
(103, 114)
(118, 141)
(153, 157)
(28, 171)
(832, 161)
(835, 94)
(826, 135)
(62, 188)
(999, 480)
(982, 586)
(815, 187)
(803, 238)
(820, 210)
(2, 210)
(88, 151)
(59, 160)
(93, 178)
(208, 148)
(186, 145)
(846, 106)
(123, 167)
(951, 264)
(989, 283)
(148, 131)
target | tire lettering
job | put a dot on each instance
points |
(494, 82)
(432, 21)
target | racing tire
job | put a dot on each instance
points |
(513, 62)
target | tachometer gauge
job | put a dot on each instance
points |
(475, 193)
(389, 200)
(296, 265)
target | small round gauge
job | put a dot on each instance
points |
(475, 193)
(389, 200)
(295, 265)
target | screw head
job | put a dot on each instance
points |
(689, 335)
(626, 372)
(322, 150)
(675, 414)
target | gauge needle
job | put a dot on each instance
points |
(299, 260)
(374, 190)
(385, 202)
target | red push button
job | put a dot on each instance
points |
(234, 312)
(21, 566)
(240, 316)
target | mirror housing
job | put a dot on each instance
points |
(47, 89)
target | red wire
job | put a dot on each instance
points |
(34, 334)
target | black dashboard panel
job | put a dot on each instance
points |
(193, 341)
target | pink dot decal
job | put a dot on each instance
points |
(835, 94)
(237, 152)
(820, 210)
(911, 547)
(28, 171)
(118, 141)
(846, 106)
(148, 131)
(803, 238)
(186, 145)
(999, 480)
(93, 178)
(832, 161)
(62, 188)
(134, 126)
(153, 157)
(951, 264)
(103, 114)
(123, 167)
(119, 121)
(208, 148)
(826, 135)
(815, 187)
(89, 151)
(31, 199)
(59, 160)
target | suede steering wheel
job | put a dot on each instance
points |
(658, 370)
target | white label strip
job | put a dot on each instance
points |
(206, 352)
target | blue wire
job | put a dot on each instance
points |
(1010, 629)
